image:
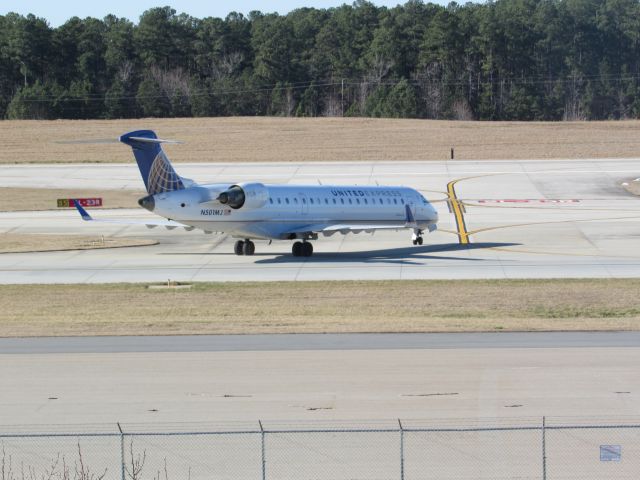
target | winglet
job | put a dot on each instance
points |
(410, 219)
(83, 213)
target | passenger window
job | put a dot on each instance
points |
(358, 201)
(402, 201)
(271, 200)
(342, 201)
(381, 202)
(365, 202)
(287, 200)
(311, 201)
(279, 202)
(334, 201)
(326, 200)
(295, 200)
(395, 200)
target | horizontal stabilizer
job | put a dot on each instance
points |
(151, 140)
(170, 224)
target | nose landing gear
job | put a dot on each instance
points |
(246, 247)
(417, 237)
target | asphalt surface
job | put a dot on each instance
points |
(521, 219)
(275, 342)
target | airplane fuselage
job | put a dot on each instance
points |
(274, 211)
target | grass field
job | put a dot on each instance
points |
(286, 307)
(18, 199)
(263, 139)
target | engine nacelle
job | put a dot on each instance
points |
(247, 195)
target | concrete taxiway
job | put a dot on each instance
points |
(499, 219)
(217, 379)
(328, 341)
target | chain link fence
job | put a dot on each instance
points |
(403, 450)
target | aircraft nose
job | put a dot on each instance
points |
(434, 213)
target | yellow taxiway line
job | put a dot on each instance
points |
(458, 212)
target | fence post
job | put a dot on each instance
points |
(264, 460)
(401, 450)
(121, 451)
(544, 448)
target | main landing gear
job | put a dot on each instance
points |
(247, 247)
(244, 247)
(417, 237)
(302, 249)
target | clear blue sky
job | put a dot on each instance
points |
(57, 12)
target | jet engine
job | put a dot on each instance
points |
(247, 195)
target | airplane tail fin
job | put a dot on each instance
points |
(156, 169)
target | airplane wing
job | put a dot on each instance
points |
(329, 229)
(168, 224)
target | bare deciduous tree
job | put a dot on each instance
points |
(134, 470)
(83, 472)
(6, 468)
(227, 65)
(125, 72)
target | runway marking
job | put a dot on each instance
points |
(528, 200)
(549, 222)
(458, 209)
(548, 208)
(560, 254)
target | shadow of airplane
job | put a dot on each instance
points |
(404, 255)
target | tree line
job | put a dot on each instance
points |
(499, 60)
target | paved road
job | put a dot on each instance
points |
(373, 341)
(524, 219)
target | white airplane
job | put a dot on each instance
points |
(249, 211)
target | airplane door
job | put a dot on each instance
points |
(303, 204)
(415, 208)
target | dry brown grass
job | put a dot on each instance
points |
(264, 139)
(17, 199)
(21, 243)
(386, 306)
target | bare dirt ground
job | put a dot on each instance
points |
(19, 243)
(20, 199)
(264, 139)
(432, 306)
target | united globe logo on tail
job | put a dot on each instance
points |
(162, 176)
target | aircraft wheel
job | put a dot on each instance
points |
(297, 249)
(249, 247)
(415, 241)
(238, 248)
(307, 249)
(420, 240)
